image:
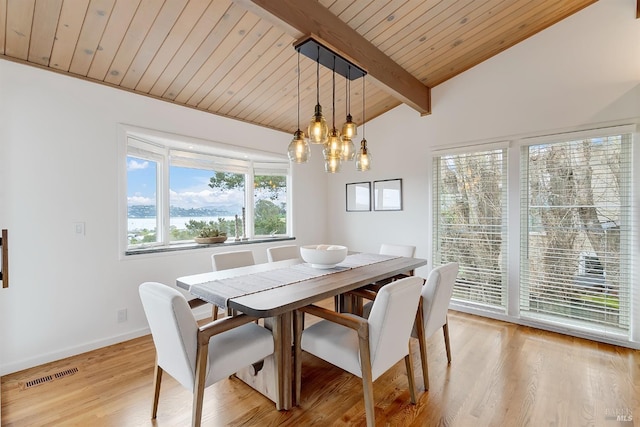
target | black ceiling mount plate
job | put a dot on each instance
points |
(327, 57)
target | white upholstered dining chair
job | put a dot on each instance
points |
(398, 250)
(187, 352)
(232, 259)
(436, 295)
(366, 348)
(385, 249)
(280, 253)
(435, 298)
(227, 260)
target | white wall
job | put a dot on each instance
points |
(580, 73)
(58, 165)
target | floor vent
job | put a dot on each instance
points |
(49, 378)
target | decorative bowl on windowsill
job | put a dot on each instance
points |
(209, 240)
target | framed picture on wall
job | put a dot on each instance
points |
(387, 195)
(359, 197)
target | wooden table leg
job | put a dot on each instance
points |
(282, 337)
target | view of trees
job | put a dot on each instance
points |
(572, 210)
(471, 203)
(270, 199)
(574, 242)
(270, 214)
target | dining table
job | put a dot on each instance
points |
(273, 291)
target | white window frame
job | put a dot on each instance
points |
(578, 328)
(472, 149)
(160, 146)
(515, 144)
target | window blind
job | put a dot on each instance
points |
(470, 219)
(576, 232)
(208, 162)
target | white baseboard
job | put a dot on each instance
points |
(70, 351)
(41, 359)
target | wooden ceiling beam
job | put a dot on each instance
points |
(309, 18)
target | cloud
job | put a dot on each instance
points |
(205, 198)
(133, 165)
(140, 200)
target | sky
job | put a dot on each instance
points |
(188, 187)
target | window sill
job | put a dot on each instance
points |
(192, 245)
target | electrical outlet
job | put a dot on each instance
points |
(122, 315)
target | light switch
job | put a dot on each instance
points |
(79, 228)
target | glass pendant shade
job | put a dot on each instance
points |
(333, 147)
(363, 159)
(318, 130)
(299, 151)
(332, 164)
(349, 129)
(348, 151)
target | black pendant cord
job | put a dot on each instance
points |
(318, 78)
(298, 90)
(334, 93)
(363, 117)
(348, 89)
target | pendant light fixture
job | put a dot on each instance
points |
(318, 130)
(363, 159)
(333, 147)
(349, 129)
(299, 151)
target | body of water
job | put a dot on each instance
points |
(135, 224)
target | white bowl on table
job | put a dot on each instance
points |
(323, 256)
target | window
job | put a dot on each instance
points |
(575, 232)
(199, 197)
(470, 224)
(270, 203)
(142, 198)
(173, 191)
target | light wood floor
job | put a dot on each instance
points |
(501, 375)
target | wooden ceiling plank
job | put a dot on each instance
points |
(119, 21)
(404, 21)
(239, 87)
(477, 39)
(309, 17)
(349, 10)
(422, 46)
(372, 17)
(201, 34)
(497, 40)
(272, 88)
(469, 42)
(338, 6)
(3, 24)
(239, 41)
(285, 109)
(236, 103)
(69, 26)
(18, 28)
(178, 34)
(43, 33)
(213, 53)
(89, 40)
(436, 20)
(136, 34)
(235, 72)
(151, 44)
(383, 18)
